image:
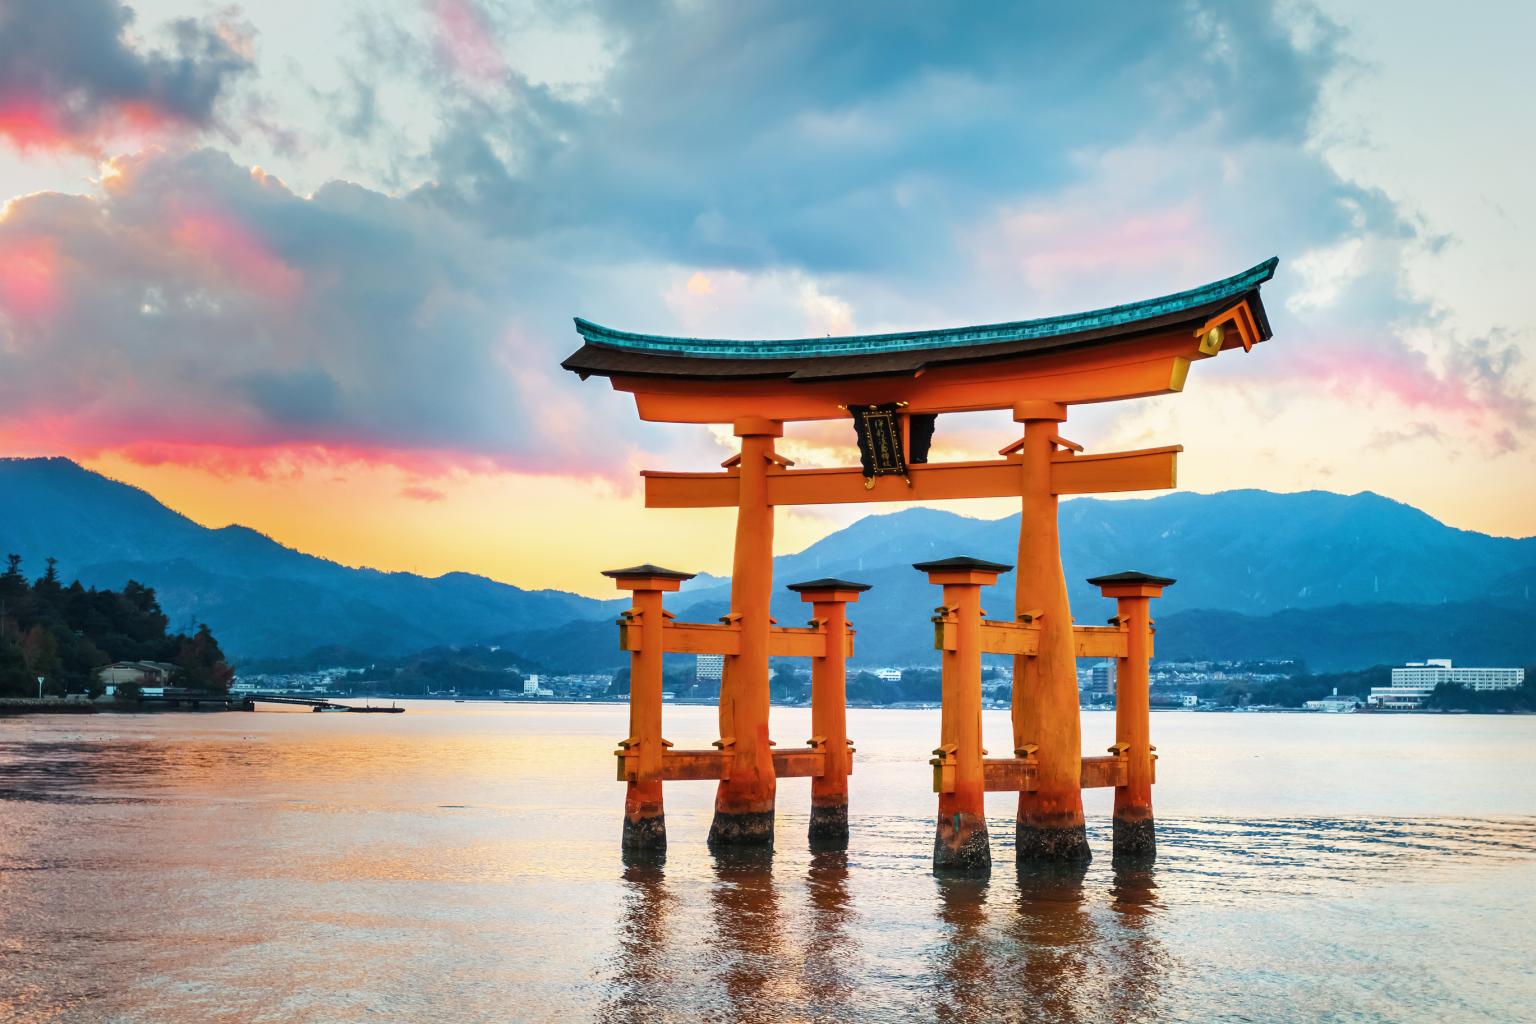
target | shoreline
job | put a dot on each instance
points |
(19, 706)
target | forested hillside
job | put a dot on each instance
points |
(65, 633)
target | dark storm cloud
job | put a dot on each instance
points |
(69, 73)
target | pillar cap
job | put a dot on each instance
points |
(1131, 578)
(648, 577)
(962, 563)
(1131, 584)
(828, 583)
(649, 570)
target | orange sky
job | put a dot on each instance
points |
(554, 531)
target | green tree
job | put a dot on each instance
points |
(200, 664)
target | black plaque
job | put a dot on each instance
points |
(919, 436)
(879, 432)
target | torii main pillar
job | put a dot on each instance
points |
(744, 801)
(1045, 703)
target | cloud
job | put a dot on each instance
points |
(745, 169)
(71, 76)
(193, 303)
(856, 136)
(420, 492)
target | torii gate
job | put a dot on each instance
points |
(895, 382)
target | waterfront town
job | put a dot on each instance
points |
(1175, 685)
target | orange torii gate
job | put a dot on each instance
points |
(894, 385)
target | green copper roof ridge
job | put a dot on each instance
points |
(946, 337)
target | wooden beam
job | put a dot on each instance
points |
(1102, 772)
(1071, 473)
(707, 638)
(1137, 367)
(1010, 638)
(785, 642)
(1016, 775)
(1009, 774)
(705, 765)
(799, 763)
(1099, 641)
(686, 638)
(1151, 469)
(695, 765)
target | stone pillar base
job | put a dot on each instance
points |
(1135, 841)
(961, 846)
(1046, 844)
(751, 828)
(648, 833)
(829, 827)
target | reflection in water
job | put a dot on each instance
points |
(830, 984)
(1049, 954)
(1141, 964)
(965, 960)
(461, 863)
(748, 925)
(643, 979)
(1059, 973)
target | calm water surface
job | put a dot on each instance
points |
(460, 863)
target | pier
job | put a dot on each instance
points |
(892, 389)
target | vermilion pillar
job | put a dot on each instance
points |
(960, 844)
(640, 755)
(744, 802)
(829, 599)
(1045, 711)
(1135, 831)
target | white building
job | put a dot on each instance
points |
(1101, 680)
(1418, 679)
(888, 675)
(1333, 703)
(533, 687)
(708, 668)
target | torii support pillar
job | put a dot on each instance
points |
(960, 845)
(829, 600)
(1135, 832)
(744, 801)
(645, 821)
(1045, 703)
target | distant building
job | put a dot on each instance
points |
(888, 675)
(1101, 681)
(1333, 703)
(708, 668)
(533, 686)
(1418, 679)
(150, 676)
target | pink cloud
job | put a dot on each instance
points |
(1473, 389)
(29, 277)
(215, 239)
(1068, 243)
(418, 492)
(75, 77)
(466, 42)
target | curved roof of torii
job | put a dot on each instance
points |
(613, 353)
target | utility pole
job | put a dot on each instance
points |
(39, 687)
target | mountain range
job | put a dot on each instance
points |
(1341, 581)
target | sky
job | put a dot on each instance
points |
(312, 267)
